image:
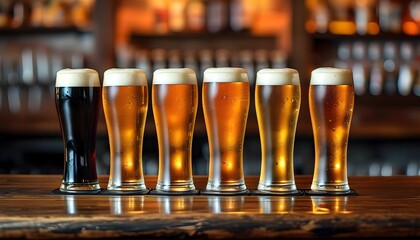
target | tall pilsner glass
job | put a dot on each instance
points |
(277, 103)
(77, 98)
(174, 102)
(125, 99)
(225, 105)
(331, 101)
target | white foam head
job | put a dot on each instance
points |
(225, 74)
(278, 76)
(124, 77)
(174, 76)
(77, 78)
(331, 76)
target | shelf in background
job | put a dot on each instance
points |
(377, 37)
(42, 30)
(197, 41)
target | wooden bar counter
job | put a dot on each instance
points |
(387, 207)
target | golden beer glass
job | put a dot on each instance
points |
(174, 102)
(331, 102)
(125, 98)
(277, 103)
(225, 106)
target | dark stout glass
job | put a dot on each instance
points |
(78, 95)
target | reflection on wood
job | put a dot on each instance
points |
(383, 209)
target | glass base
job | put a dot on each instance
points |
(330, 187)
(140, 186)
(79, 187)
(184, 186)
(226, 187)
(289, 187)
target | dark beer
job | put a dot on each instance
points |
(77, 101)
(331, 102)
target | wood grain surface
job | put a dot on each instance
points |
(387, 207)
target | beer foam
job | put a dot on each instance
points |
(278, 76)
(225, 74)
(331, 76)
(174, 76)
(77, 78)
(124, 77)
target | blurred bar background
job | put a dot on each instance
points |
(377, 39)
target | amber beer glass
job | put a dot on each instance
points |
(125, 99)
(225, 106)
(174, 102)
(277, 103)
(77, 98)
(331, 101)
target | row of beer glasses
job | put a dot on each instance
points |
(225, 98)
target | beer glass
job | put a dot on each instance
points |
(277, 103)
(125, 99)
(225, 106)
(77, 98)
(331, 101)
(174, 102)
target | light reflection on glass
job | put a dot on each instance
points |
(126, 204)
(175, 204)
(71, 205)
(226, 204)
(281, 205)
(329, 204)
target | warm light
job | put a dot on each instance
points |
(342, 27)
(337, 166)
(410, 28)
(373, 28)
(178, 162)
(310, 26)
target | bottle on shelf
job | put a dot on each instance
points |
(222, 57)
(241, 15)
(217, 15)
(160, 12)
(365, 17)
(196, 16)
(318, 17)
(376, 70)
(142, 61)
(344, 56)
(176, 15)
(342, 21)
(158, 58)
(247, 62)
(414, 9)
(359, 68)
(174, 58)
(391, 67)
(407, 69)
(390, 14)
